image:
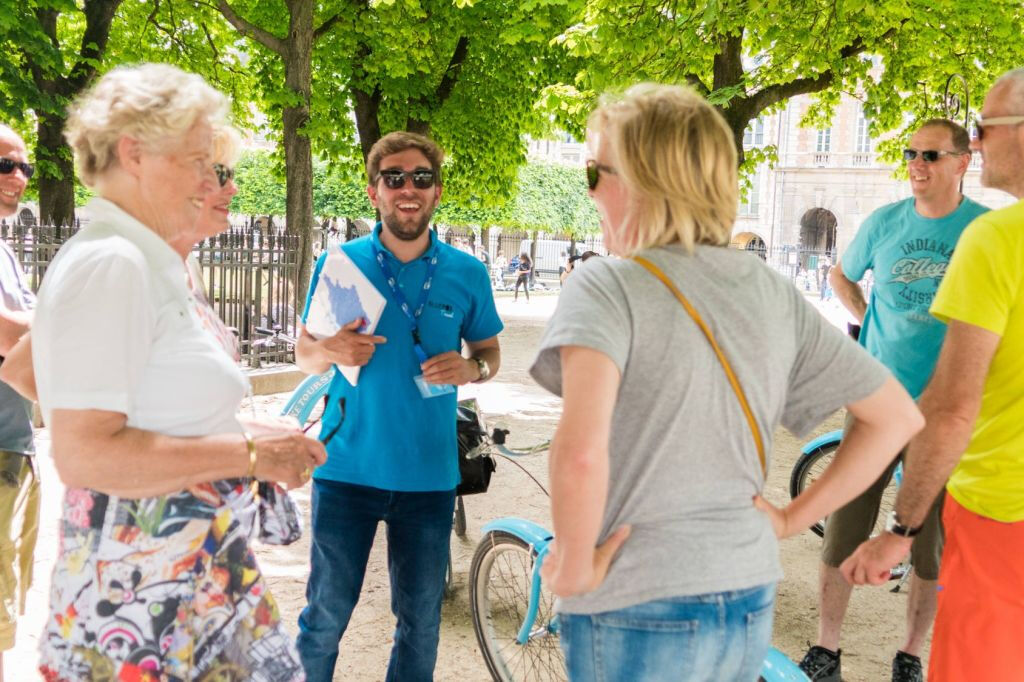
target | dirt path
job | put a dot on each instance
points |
(873, 624)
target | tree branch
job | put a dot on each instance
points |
(250, 30)
(697, 84)
(326, 27)
(99, 14)
(773, 94)
(451, 73)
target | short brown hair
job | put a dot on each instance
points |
(961, 138)
(399, 141)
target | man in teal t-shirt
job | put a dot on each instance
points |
(907, 245)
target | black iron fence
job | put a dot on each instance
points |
(249, 272)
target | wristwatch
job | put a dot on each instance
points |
(483, 367)
(893, 525)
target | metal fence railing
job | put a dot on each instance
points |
(250, 275)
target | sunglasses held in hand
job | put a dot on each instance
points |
(7, 167)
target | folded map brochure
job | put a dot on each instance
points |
(343, 293)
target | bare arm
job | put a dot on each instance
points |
(849, 293)
(13, 325)
(579, 472)
(17, 371)
(883, 423)
(96, 449)
(950, 403)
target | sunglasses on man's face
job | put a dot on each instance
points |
(594, 170)
(927, 155)
(981, 123)
(422, 178)
(7, 167)
(224, 174)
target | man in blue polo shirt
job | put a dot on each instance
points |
(393, 455)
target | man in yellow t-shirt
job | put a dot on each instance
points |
(974, 437)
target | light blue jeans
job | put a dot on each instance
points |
(717, 637)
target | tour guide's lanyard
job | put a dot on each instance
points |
(411, 314)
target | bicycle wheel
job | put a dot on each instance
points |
(499, 581)
(460, 517)
(810, 467)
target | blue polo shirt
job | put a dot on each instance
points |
(908, 254)
(392, 438)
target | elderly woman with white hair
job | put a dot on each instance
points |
(154, 579)
(676, 363)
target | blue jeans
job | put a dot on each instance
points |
(345, 519)
(717, 637)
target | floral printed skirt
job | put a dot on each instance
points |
(163, 588)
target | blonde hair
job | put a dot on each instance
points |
(150, 102)
(227, 144)
(675, 154)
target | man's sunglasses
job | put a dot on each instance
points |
(7, 167)
(928, 155)
(594, 170)
(422, 178)
(981, 123)
(224, 174)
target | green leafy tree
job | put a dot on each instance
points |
(53, 49)
(749, 57)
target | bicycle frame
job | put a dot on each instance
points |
(539, 539)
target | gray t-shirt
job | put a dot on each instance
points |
(15, 411)
(684, 466)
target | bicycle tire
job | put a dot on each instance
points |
(498, 610)
(459, 525)
(810, 466)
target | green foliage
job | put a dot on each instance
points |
(749, 57)
(260, 181)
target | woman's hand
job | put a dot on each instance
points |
(287, 457)
(566, 580)
(778, 517)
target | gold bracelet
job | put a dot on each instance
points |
(250, 445)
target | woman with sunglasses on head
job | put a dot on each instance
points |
(666, 558)
(154, 578)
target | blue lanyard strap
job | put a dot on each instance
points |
(411, 314)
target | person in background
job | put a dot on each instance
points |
(154, 577)
(523, 270)
(665, 560)
(19, 478)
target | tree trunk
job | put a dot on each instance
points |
(485, 240)
(297, 149)
(56, 194)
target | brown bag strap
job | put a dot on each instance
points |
(733, 381)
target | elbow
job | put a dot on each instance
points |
(69, 465)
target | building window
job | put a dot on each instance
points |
(751, 205)
(863, 142)
(824, 143)
(753, 136)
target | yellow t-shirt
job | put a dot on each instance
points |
(984, 286)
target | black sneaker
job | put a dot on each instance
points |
(822, 665)
(906, 668)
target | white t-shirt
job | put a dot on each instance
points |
(115, 329)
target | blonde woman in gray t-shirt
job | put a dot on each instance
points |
(666, 559)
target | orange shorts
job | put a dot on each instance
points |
(979, 627)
